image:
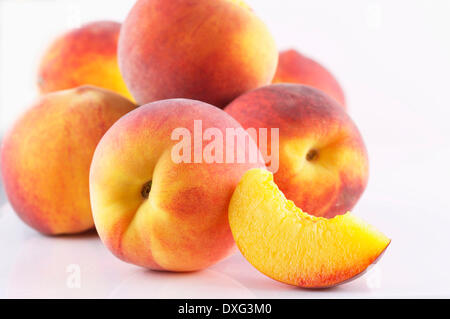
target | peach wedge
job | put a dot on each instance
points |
(294, 247)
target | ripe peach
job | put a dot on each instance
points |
(293, 67)
(323, 164)
(293, 247)
(86, 55)
(45, 157)
(151, 209)
(207, 50)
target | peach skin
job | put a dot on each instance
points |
(152, 210)
(294, 67)
(46, 156)
(86, 55)
(293, 247)
(207, 50)
(323, 163)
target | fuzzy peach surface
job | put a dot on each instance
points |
(86, 55)
(323, 162)
(294, 67)
(150, 210)
(207, 50)
(46, 156)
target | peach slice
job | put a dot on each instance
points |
(294, 247)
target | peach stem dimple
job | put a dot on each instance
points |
(145, 192)
(312, 155)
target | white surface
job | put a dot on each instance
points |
(415, 265)
(393, 60)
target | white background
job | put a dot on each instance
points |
(393, 61)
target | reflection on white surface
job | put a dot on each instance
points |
(63, 267)
(34, 265)
(203, 284)
(81, 267)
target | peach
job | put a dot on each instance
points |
(207, 50)
(155, 210)
(46, 156)
(293, 247)
(86, 55)
(294, 67)
(323, 164)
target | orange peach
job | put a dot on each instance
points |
(294, 67)
(293, 247)
(160, 206)
(323, 164)
(46, 156)
(207, 50)
(86, 55)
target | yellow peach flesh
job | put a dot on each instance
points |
(294, 247)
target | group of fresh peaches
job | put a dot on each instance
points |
(96, 148)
